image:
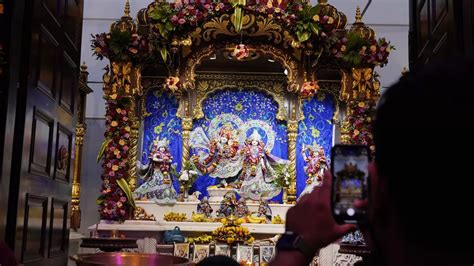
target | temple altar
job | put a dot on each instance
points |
(220, 116)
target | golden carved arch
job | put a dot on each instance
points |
(270, 84)
(288, 62)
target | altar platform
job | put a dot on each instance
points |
(188, 208)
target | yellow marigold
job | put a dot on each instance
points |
(113, 96)
(277, 10)
(373, 48)
(116, 152)
(330, 20)
(361, 104)
(316, 18)
(127, 128)
(98, 50)
(356, 132)
(114, 124)
(122, 142)
(343, 48)
(118, 110)
(115, 168)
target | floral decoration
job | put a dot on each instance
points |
(188, 175)
(120, 46)
(172, 84)
(358, 52)
(358, 125)
(114, 203)
(308, 89)
(241, 52)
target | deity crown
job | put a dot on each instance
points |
(161, 143)
(255, 135)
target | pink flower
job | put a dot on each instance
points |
(126, 135)
(124, 112)
(125, 148)
(174, 18)
(119, 204)
(181, 21)
(125, 118)
(111, 173)
(123, 199)
(241, 52)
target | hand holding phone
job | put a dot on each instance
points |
(350, 173)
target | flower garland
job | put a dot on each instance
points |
(358, 125)
(120, 46)
(114, 203)
(359, 52)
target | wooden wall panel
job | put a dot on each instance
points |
(34, 228)
(41, 144)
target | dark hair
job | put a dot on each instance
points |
(424, 139)
(218, 261)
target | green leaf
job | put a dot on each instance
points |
(303, 36)
(164, 54)
(126, 189)
(237, 19)
(314, 28)
(102, 148)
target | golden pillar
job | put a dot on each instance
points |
(292, 135)
(187, 125)
(133, 151)
(78, 143)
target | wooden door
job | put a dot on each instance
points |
(37, 223)
(440, 29)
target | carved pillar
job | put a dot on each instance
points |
(187, 124)
(292, 135)
(79, 141)
(133, 151)
(360, 90)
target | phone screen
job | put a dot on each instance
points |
(350, 171)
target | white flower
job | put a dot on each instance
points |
(192, 172)
(184, 176)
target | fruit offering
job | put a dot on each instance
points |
(175, 217)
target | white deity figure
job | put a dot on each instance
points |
(316, 165)
(258, 175)
(158, 184)
(219, 156)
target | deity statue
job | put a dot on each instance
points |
(228, 205)
(258, 174)
(264, 211)
(242, 210)
(223, 160)
(316, 165)
(158, 184)
(205, 208)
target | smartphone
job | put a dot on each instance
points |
(350, 173)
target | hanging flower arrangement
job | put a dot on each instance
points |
(120, 46)
(309, 89)
(241, 52)
(358, 52)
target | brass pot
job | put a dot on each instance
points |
(132, 259)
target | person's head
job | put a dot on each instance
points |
(424, 136)
(217, 261)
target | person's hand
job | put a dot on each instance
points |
(312, 219)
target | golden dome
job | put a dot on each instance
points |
(360, 28)
(339, 17)
(126, 23)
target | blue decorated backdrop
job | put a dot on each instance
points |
(162, 123)
(317, 126)
(248, 105)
